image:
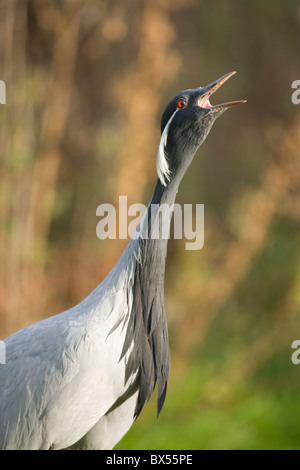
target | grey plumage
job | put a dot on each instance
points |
(78, 380)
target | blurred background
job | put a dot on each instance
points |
(86, 84)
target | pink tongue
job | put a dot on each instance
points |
(205, 103)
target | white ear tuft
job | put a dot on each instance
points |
(162, 165)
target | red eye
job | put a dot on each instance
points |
(181, 103)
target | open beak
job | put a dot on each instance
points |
(203, 101)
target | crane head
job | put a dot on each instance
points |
(185, 124)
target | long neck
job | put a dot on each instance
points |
(165, 194)
(154, 240)
(158, 218)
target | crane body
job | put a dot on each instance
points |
(60, 394)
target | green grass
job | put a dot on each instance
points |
(203, 411)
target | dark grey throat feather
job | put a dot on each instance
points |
(147, 324)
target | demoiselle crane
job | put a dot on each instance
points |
(79, 379)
